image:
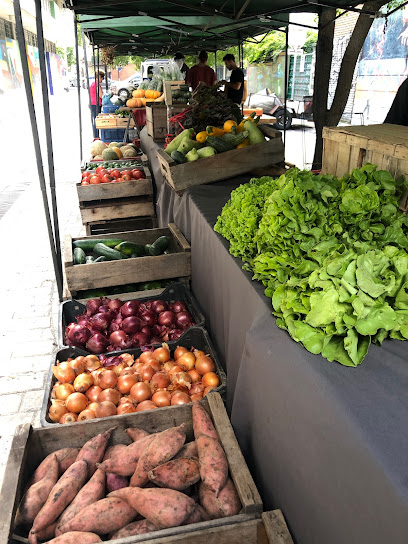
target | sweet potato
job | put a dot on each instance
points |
(61, 496)
(198, 514)
(48, 533)
(165, 446)
(114, 482)
(188, 450)
(36, 495)
(226, 504)
(93, 451)
(136, 434)
(102, 517)
(65, 458)
(176, 474)
(125, 463)
(162, 507)
(113, 451)
(93, 491)
(136, 528)
(213, 463)
(202, 424)
(76, 538)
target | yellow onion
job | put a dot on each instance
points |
(69, 417)
(63, 391)
(91, 362)
(86, 414)
(76, 402)
(83, 382)
(57, 410)
(63, 372)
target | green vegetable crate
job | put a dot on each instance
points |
(30, 446)
(224, 165)
(156, 119)
(174, 263)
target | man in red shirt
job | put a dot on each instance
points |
(94, 108)
(201, 72)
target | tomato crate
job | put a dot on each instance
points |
(196, 337)
(30, 446)
(70, 309)
(175, 264)
(223, 165)
(123, 189)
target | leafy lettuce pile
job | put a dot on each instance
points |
(332, 254)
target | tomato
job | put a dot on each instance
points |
(84, 174)
(102, 172)
(137, 174)
(115, 173)
(84, 182)
(126, 177)
(86, 178)
(119, 179)
(126, 173)
(107, 178)
(95, 180)
(98, 169)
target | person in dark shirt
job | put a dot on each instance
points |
(201, 72)
(179, 60)
(235, 86)
(398, 114)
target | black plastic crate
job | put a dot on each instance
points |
(196, 337)
(70, 309)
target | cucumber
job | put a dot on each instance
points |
(104, 251)
(100, 259)
(89, 259)
(79, 256)
(88, 245)
(130, 249)
(158, 247)
(178, 157)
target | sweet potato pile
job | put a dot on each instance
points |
(103, 492)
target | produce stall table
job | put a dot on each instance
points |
(326, 443)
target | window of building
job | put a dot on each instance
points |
(6, 29)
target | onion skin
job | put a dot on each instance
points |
(112, 395)
(83, 382)
(63, 391)
(126, 382)
(140, 392)
(180, 398)
(76, 403)
(146, 405)
(108, 379)
(162, 398)
(204, 364)
(105, 409)
(210, 379)
(91, 363)
(93, 393)
(86, 414)
(69, 417)
(207, 390)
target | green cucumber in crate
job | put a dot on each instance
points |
(158, 247)
(130, 249)
(88, 245)
(79, 256)
(110, 254)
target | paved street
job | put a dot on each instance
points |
(28, 322)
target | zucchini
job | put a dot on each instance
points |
(235, 139)
(79, 256)
(158, 247)
(178, 157)
(173, 145)
(130, 249)
(88, 245)
(219, 144)
(100, 259)
(89, 259)
(255, 135)
(110, 254)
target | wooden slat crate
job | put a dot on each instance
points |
(156, 119)
(123, 189)
(349, 147)
(169, 86)
(121, 225)
(140, 269)
(140, 158)
(110, 121)
(117, 208)
(224, 165)
(30, 446)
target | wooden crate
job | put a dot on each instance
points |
(349, 147)
(112, 121)
(124, 189)
(224, 165)
(169, 86)
(111, 273)
(116, 208)
(30, 446)
(156, 119)
(121, 225)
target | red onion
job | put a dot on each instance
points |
(130, 308)
(184, 320)
(148, 304)
(82, 320)
(102, 309)
(114, 326)
(147, 330)
(118, 337)
(159, 306)
(115, 304)
(140, 339)
(92, 306)
(175, 334)
(177, 306)
(99, 322)
(131, 324)
(77, 334)
(97, 343)
(167, 318)
(149, 317)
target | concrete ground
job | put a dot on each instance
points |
(28, 321)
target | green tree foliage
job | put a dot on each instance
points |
(71, 61)
(310, 43)
(269, 47)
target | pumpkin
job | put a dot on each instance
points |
(144, 100)
(152, 94)
(160, 99)
(118, 152)
(138, 93)
(134, 103)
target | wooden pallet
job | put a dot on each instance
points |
(121, 225)
(224, 165)
(141, 269)
(30, 446)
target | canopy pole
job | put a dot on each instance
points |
(48, 132)
(286, 87)
(215, 62)
(79, 86)
(97, 83)
(106, 78)
(36, 140)
(87, 74)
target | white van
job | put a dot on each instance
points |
(148, 66)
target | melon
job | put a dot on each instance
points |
(98, 158)
(118, 152)
(97, 147)
(129, 153)
(114, 144)
(109, 154)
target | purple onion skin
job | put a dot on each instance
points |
(184, 320)
(159, 306)
(97, 343)
(149, 317)
(92, 306)
(167, 319)
(130, 308)
(99, 322)
(77, 334)
(178, 306)
(140, 339)
(131, 324)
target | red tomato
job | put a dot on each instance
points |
(137, 174)
(95, 180)
(98, 169)
(107, 178)
(126, 177)
(84, 174)
(126, 173)
(84, 182)
(119, 179)
(102, 173)
(115, 173)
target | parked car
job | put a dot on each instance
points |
(125, 87)
(273, 105)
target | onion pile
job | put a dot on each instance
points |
(92, 387)
(112, 325)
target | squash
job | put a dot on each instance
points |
(118, 152)
(109, 154)
(144, 100)
(129, 153)
(138, 93)
(152, 94)
(114, 144)
(244, 143)
(215, 131)
(97, 148)
(202, 136)
(255, 135)
(229, 124)
(134, 103)
(161, 98)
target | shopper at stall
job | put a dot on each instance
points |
(235, 86)
(93, 92)
(398, 114)
(179, 60)
(201, 72)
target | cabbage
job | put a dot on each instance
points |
(97, 148)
